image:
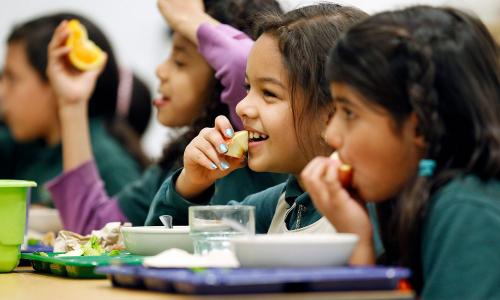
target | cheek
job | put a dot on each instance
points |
(384, 170)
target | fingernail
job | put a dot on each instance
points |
(213, 166)
(223, 148)
(229, 132)
(224, 165)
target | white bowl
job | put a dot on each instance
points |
(151, 240)
(294, 250)
(43, 220)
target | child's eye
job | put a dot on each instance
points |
(179, 63)
(247, 87)
(349, 114)
(269, 94)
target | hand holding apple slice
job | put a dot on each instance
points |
(238, 145)
(344, 172)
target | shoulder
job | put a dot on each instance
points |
(459, 239)
(464, 200)
(467, 192)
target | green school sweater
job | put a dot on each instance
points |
(38, 162)
(168, 201)
(461, 241)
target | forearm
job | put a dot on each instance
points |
(226, 50)
(82, 202)
(75, 135)
(188, 27)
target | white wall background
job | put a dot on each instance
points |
(138, 32)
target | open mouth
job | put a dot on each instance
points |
(159, 102)
(256, 137)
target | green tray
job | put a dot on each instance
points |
(78, 266)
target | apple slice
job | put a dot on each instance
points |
(344, 172)
(238, 145)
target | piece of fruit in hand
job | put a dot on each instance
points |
(84, 54)
(238, 145)
(344, 172)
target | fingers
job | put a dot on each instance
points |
(201, 158)
(223, 125)
(215, 138)
(59, 37)
(313, 178)
(320, 180)
(207, 148)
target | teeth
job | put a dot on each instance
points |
(256, 135)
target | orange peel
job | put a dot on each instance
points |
(238, 145)
(84, 55)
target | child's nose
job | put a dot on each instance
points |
(246, 108)
(162, 70)
(333, 134)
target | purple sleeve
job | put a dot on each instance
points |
(81, 199)
(226, 50)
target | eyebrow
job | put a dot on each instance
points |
(269, 80)
(180, 49)
(344, 101)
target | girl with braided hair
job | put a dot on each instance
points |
(417, 116)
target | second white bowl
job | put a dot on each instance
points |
(151, 240)
(294, 250)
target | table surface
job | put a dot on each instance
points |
(24, 283)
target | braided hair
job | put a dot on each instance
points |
(443, 66)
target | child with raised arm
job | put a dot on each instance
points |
(30, 144)
(417, 116)
(283, 112)
(191, 95)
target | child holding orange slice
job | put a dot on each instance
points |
(201, 78)
(283, 112)
(422, 132)
(30, 146)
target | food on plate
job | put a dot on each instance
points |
(84, 54)
(99, 242)
(344, 172)
(238, 145)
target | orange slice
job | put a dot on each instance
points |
(84, 54)
(238, 145)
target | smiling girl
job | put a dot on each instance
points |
(422, 133)
(206, 57)
(283, 111)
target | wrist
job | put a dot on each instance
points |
(189, 189)
(189, 27)
(73, 111)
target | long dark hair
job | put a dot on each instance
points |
(443, 65)
(305, 35)
(240, 14)
(36, 35)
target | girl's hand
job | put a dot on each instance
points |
(347, 215)
(185, 16)
(204, 159)
(72, 87)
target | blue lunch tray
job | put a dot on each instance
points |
(256, 280)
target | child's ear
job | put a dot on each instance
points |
(419, 137)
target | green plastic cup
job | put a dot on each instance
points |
(14, 199)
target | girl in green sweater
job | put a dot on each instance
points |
(417, 116)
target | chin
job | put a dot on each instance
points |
(20, 136)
